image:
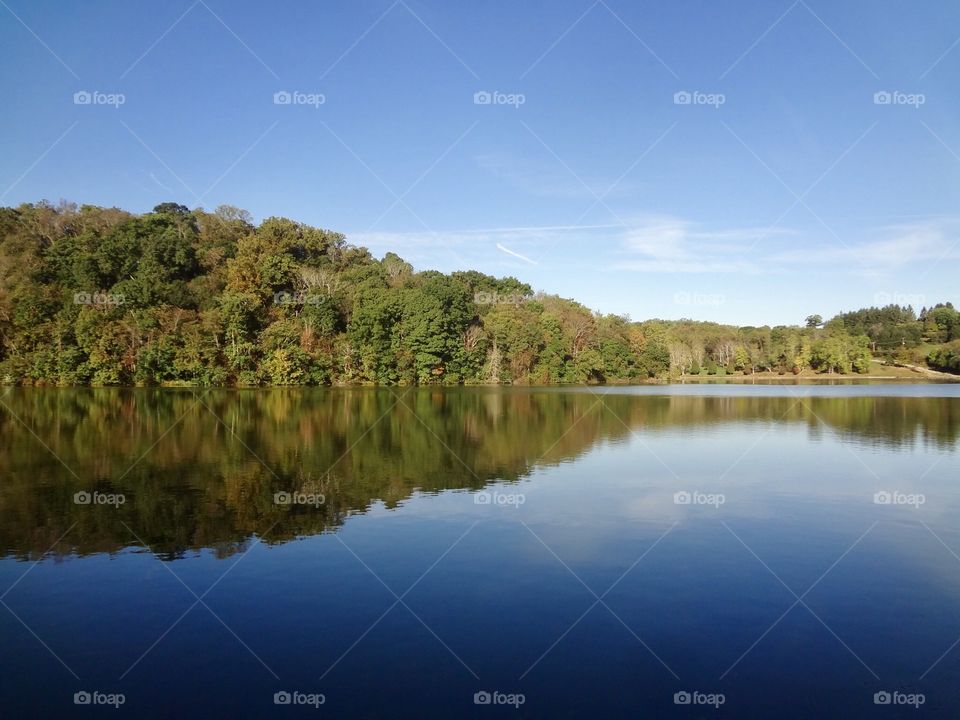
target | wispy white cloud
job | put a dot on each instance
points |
(479, 237)
(674, 245)
(889, 248)
(550, 179)
(483, 246)
(666, 244)
(711, 265)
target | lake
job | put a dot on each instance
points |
(659, 551)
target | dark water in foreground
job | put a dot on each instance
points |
(787, 551)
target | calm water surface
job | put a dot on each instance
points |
(788, 550)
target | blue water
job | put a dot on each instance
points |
(590, 593)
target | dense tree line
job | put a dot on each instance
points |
(895, 325)
(945, 358)
(100, 296)
(897, 332)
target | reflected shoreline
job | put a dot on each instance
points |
(203, 470)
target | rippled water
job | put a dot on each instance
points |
(787, 551)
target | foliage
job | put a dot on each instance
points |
(99, 296)
(946, 358)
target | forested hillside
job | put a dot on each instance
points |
(100, 296)
(896, 332)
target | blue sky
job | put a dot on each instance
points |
(785, 187)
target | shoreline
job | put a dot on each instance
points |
(688, 380)
(888, 374)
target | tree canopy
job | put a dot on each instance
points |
(100, 296)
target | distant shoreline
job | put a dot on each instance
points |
(747, 379)
(880, 374)
(879, 371)
(757, 379)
